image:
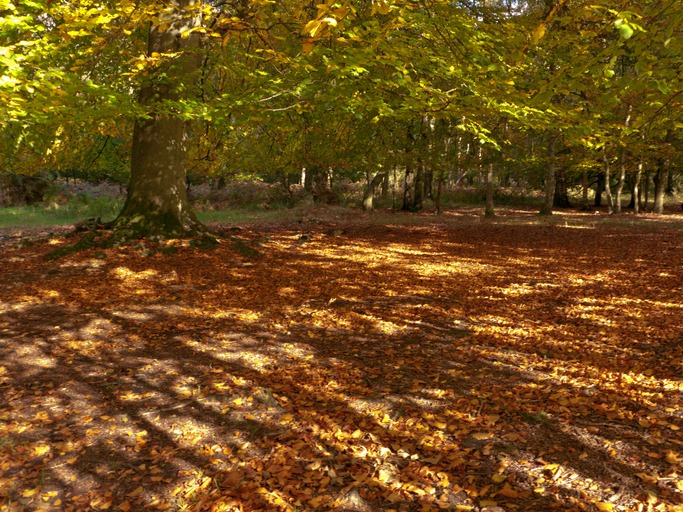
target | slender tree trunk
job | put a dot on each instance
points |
(157, 202)
(647, 190)
(394, 182)
(620, 184)
(636, 187)
(489, 209)
(419, 185)
(408, 189)
(547, 207)
(608, 188)
(661, 179)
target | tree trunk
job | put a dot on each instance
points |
(547, 207)
(440, 178)
(489, 211)
(608, 188)
(599, 190)
(419, 185)
(157, 202)
(369, 195)
(636, 187)
(584, 186)
(620, 184)
(408, 189)
(661, 179)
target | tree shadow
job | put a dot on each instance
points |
(271, 385)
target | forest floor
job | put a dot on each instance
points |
(334, 360)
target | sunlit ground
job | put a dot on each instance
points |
(350, 364)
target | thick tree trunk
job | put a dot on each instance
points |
(561, 191)
(599, 190)
(157, 202)
(584, 186)
(547, 207)
(372, 185)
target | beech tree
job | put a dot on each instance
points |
(256, 87)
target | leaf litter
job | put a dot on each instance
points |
(435, 364)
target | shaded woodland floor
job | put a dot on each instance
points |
(338, 361)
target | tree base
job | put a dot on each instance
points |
(132, 225)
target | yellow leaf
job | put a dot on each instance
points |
(125, 506)
(538, 33)
(136, 492)
(30, 492)
(672, 457)
(644, 423)
(314, 465)
(647, 478)
(481, 436)
(498, 478)
(604, 506)
(383, 7)
(312, 27)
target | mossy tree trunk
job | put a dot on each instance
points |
(157, 202)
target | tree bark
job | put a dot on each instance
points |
(584, 186)
(622, 181)
(372, 184)
(561, 199)
(608, 188)
(489, 209)
(599, 189)
(661, 179)
(636, 187)
(157, 202)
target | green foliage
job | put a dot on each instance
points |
(348, 86)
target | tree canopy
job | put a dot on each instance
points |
(264, 88)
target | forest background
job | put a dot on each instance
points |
(414, 100)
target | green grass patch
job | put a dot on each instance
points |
(80, 207)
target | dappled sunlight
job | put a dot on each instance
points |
(366, 370)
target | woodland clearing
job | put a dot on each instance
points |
(342, 361)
